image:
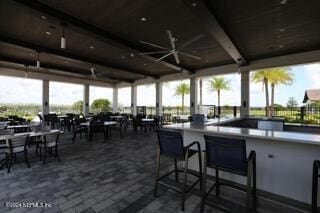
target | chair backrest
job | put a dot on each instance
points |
(97, 126)
(51, 138)
(171, 143)
(20, 141)
(227, 154)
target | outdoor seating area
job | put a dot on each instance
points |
(148, 106)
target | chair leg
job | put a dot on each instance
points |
(157, 174)
(217, 183)
(10, 163)
(249, 187)
(176, 170)
(204, 182)
(26, 159)
(200, 169)
(40, 155)
(315, 177)
(57, 154)
(184, 187)
(74, 136)
(254, 187)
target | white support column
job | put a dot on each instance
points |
(86, 96)
(134, 100)
(115, 100)
(45, 97)
(245, 93)
(159, 98)
(193, 95)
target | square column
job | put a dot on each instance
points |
(134, 100)
(159, 98)
(45, 97)
(193, 95)
(86, 100)
(245, 94)
(115, 100)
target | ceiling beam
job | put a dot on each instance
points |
(95, 32)
(202, 12)
(70, 56)
(47, 66)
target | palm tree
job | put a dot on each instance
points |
(263, 77)
(279, 76)
(218, 84)
(182, 90)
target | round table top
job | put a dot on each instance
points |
(106, 123)
(147, 119)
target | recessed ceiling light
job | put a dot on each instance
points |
(91, 47)
(43, 17)
(143, 19)
(283, 2)
(144, 64)
(48, 33)
(282, 30)
(132, 55)
(123, 57)
(194, 4)
(281, 46)
(194, 51)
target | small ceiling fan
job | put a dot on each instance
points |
(174, 50)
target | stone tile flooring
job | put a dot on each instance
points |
(116, 176)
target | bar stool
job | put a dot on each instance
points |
(171, 145)
(229, 155)
(315, 177)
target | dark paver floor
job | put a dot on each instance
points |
(116, 176)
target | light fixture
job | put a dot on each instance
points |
(63, 38)
(194, 4)
(91, 47)
(143, 19)
(283, 2)
(123, 57)
(131, 54)
(282, 30)
(48, 33)
(93, 74)
(38, 60)
(43, 17)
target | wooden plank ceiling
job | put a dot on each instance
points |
(105, 34)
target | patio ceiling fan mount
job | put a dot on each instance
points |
(177, 52)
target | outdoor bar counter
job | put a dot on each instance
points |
(284, 159)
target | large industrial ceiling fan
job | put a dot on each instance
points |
(177, 52)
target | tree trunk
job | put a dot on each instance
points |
(272, 95)
(267, 95)
(218, 91)
(182, 105)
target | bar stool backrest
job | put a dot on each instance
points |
(171, 143)
(227, 154)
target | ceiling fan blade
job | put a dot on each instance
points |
(171, 39)
(157, 52)
(159, 59)
(189, 55)
(154, 45)
(176, 57)
(184, 45)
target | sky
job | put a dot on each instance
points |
(22, 90)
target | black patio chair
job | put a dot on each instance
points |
(49, 145)
(171, 145)
(96, 127)
(78, 129)
(137, 123)
(16, 145)
(315, 179)
(229, 155)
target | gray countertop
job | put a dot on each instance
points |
(212, 127)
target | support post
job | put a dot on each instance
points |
(245, 94)
(193, 95)
(86, 100)
(134, 100)
(45, 97)
(159, 98)
(115, 100)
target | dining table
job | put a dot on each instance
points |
(146, 122)
(107, 128)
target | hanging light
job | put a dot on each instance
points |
(38, 60)
(93, 74)
(63, 38)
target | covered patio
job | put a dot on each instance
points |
(108, 159)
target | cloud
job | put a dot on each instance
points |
(313, 73)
